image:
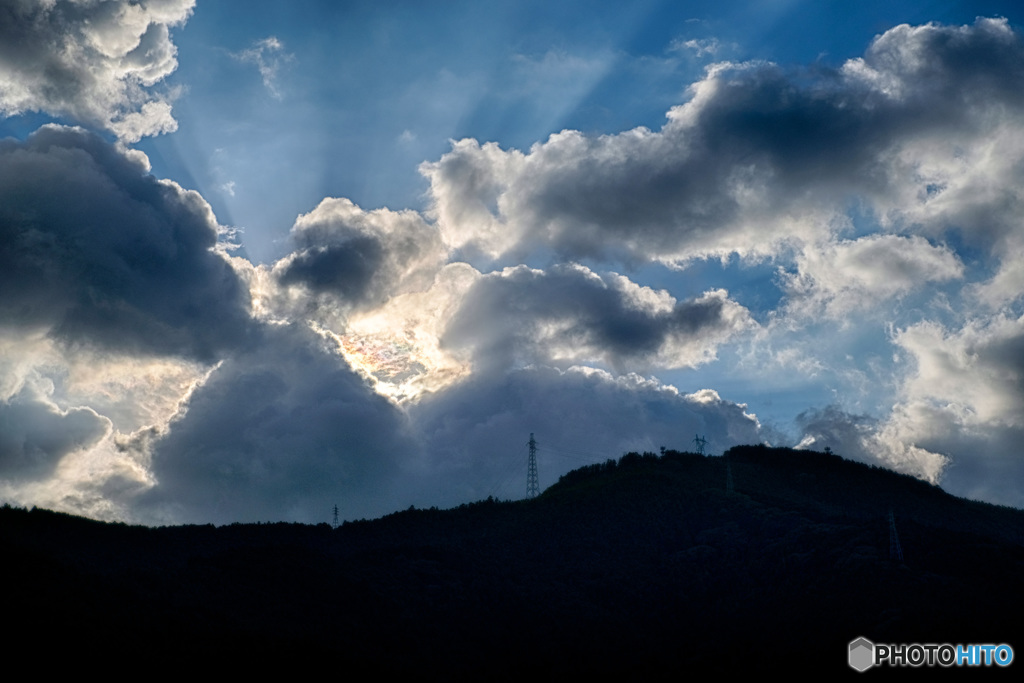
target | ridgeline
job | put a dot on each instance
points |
(649, 566)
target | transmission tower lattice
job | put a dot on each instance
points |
(700, 442)
(335, 523)
(895, 551)
(532, 483)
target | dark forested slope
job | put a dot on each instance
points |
(760, 559)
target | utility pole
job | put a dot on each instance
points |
(532, 483)
(700, 442)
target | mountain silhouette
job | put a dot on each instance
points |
(650, 566)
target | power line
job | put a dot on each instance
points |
(502, 482)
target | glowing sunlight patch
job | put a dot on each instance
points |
(400, 366)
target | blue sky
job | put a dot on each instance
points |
(361, 95)
(268, 257)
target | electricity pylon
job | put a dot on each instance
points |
(532, 483)
(895, 551)
(700, 442)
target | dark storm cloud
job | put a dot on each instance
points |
(361, 257)
(569, 313)
(761, 154)
(281, 430)
(345, 269)
(1001, 360)
(98, 252)
(475, 432)
(35, 435)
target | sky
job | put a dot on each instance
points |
(259, 259)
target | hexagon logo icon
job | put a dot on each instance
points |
(862, 654)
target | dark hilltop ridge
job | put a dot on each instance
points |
(649, 566)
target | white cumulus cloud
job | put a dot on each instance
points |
(94, 61)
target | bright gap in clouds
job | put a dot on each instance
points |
(615, 230)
